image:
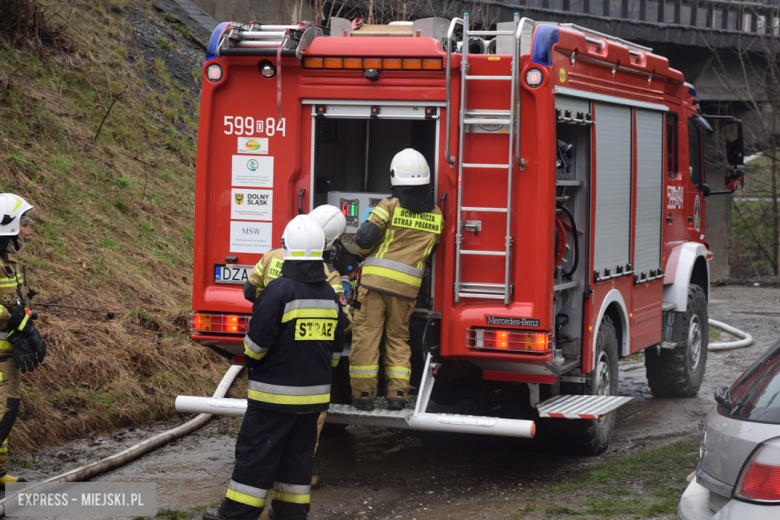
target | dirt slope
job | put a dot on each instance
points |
(111, 255)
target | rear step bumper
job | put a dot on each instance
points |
(407, 419)
(416, 419)
(580, 406)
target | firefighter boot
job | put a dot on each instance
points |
(214, 514)
(369, 323)
(394, 403)
(366, 405)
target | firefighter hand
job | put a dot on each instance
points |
(20, 320)
(38, 345)
(24, 358)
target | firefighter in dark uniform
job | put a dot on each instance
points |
(295, 336)
(21, 346)
(333, 224)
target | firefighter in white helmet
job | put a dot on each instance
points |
(333, 224)
(21, 345)
(397, 240)
(295, 336)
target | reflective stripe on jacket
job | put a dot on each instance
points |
(295, 335)
(10, 281)
(270, 267)
(396, 263)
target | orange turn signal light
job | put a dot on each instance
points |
(316, 62)
(542, 342)
(312, 63)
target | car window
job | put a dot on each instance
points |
(756, 394)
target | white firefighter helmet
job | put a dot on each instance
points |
(303, 239)
(409, 168)
(332, 221)
(12, 208)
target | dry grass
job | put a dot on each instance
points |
(112, 229)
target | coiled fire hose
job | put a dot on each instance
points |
(133, 452)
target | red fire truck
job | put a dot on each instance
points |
(569, 165)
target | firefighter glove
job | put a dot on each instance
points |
(20, 321)
(37, 343)
(24, 357)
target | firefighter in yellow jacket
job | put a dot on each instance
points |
(21, 346)
(397, 240)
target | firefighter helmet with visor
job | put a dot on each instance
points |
(409, 168)
(303, 239)
(332, 221)
(12, 209)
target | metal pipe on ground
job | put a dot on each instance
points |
(746, 340)
(133, 452)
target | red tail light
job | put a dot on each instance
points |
(760, 478)
(497, 339)
(224, 323)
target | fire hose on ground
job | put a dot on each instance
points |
(133, 452)
(746, 340)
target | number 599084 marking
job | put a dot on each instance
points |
(250, 126)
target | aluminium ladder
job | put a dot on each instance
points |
(476, 117)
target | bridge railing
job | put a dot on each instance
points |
(755, 17)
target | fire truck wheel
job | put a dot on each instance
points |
(587, 436)
(679, 372)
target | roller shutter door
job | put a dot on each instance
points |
(649, 191)
(613, 187)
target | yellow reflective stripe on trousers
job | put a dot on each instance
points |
(295, 494)
(397, 373)
(384, 215)
(363, 372)
(295, 395)
(4, 446)
(251, 496)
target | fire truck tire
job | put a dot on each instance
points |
(587, 436)
(679, 372)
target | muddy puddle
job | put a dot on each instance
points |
(387, 474)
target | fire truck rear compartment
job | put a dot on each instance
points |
(354, 155)
(352, 163)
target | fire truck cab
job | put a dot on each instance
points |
(569, 166)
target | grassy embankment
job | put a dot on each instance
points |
(647, 484)
(113, 220)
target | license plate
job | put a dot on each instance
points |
(232, 273)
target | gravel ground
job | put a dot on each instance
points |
(386, 474)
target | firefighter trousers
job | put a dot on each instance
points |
(380, 312)
(10, 394)
(274, 451)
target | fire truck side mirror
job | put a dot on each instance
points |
(702, 124)
(735, 146)
(735, 179)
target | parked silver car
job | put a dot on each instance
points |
(738, 477)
